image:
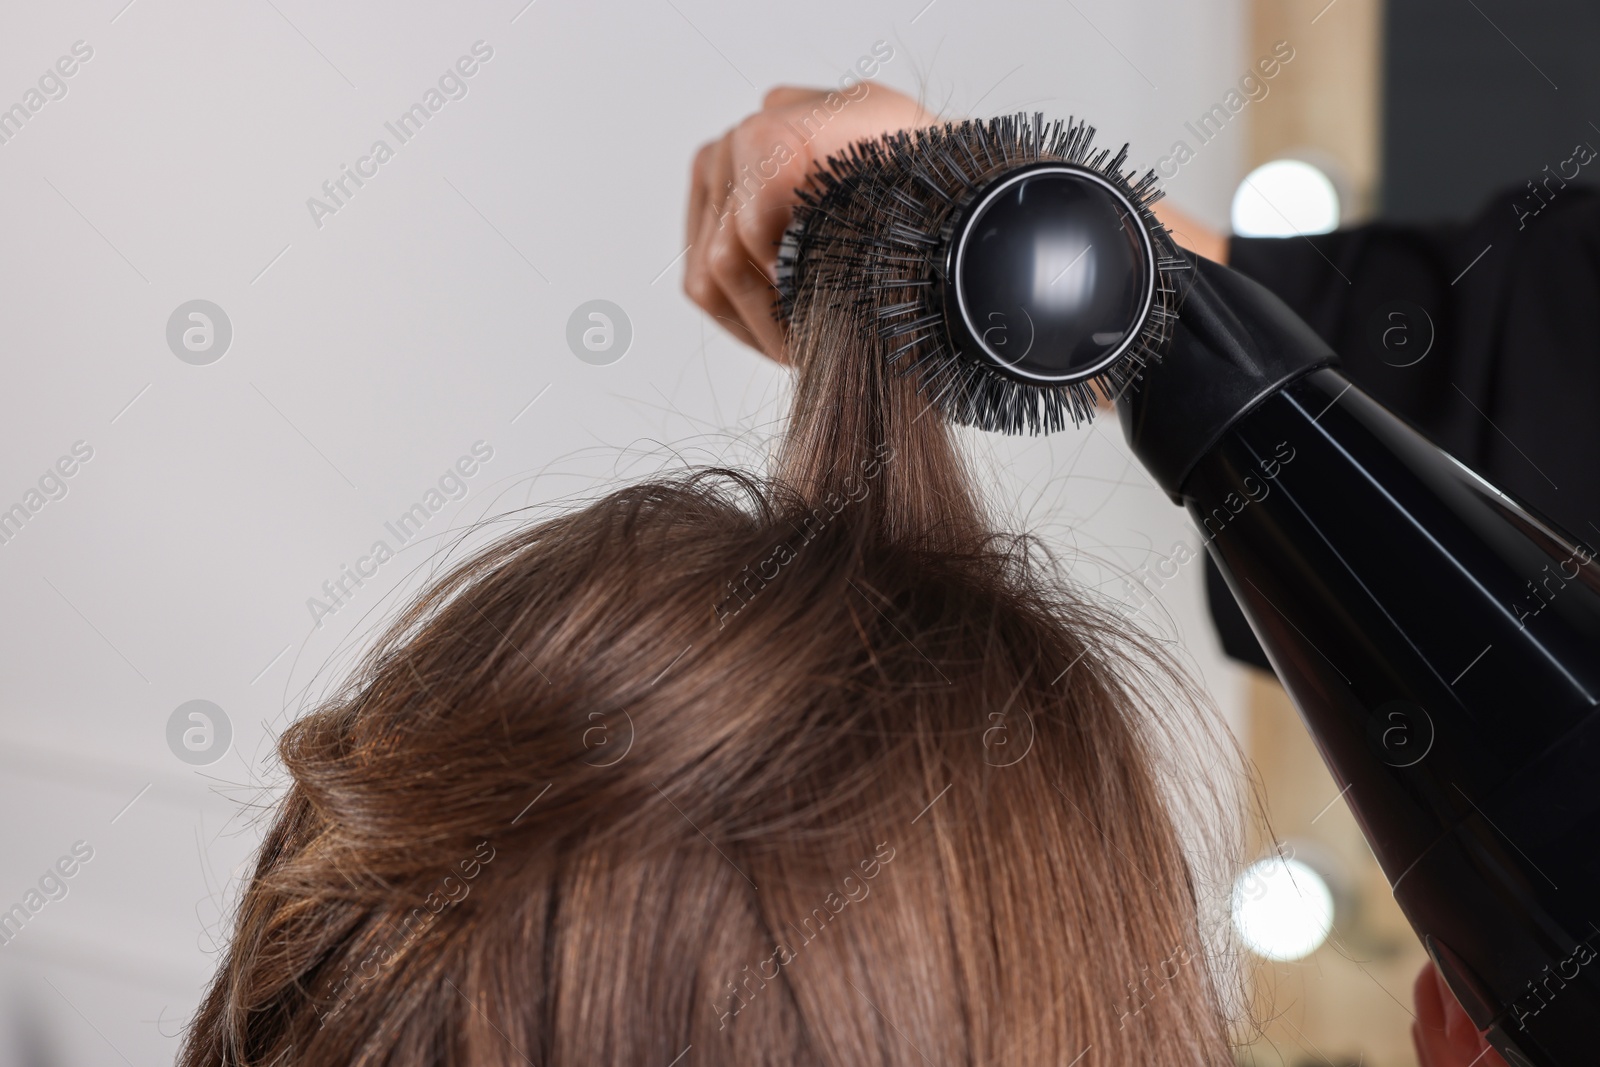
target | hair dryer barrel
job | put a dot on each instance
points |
(1441, 642)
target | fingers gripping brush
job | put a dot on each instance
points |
(1440, 639)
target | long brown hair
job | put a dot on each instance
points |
(806, 768)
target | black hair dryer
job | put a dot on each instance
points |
(1441, 641)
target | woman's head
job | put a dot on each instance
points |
(804, 768)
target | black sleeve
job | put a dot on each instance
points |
(1484, 335)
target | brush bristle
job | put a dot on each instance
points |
(866, 237)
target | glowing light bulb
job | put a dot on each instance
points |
(1282, 909)
(1284, 198)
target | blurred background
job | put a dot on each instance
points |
(244, 349)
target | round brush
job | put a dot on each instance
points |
(1009, 265)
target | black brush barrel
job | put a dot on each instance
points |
(1049, 274)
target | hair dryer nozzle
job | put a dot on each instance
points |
(1234, 345)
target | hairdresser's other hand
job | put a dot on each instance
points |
(1191, 233)
(742, 192)
(1443, 1034)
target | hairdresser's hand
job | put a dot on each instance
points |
(1443, 1034)
(743, 190)
(1193, 234)
(742, 193)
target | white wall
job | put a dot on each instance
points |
(368, 354)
